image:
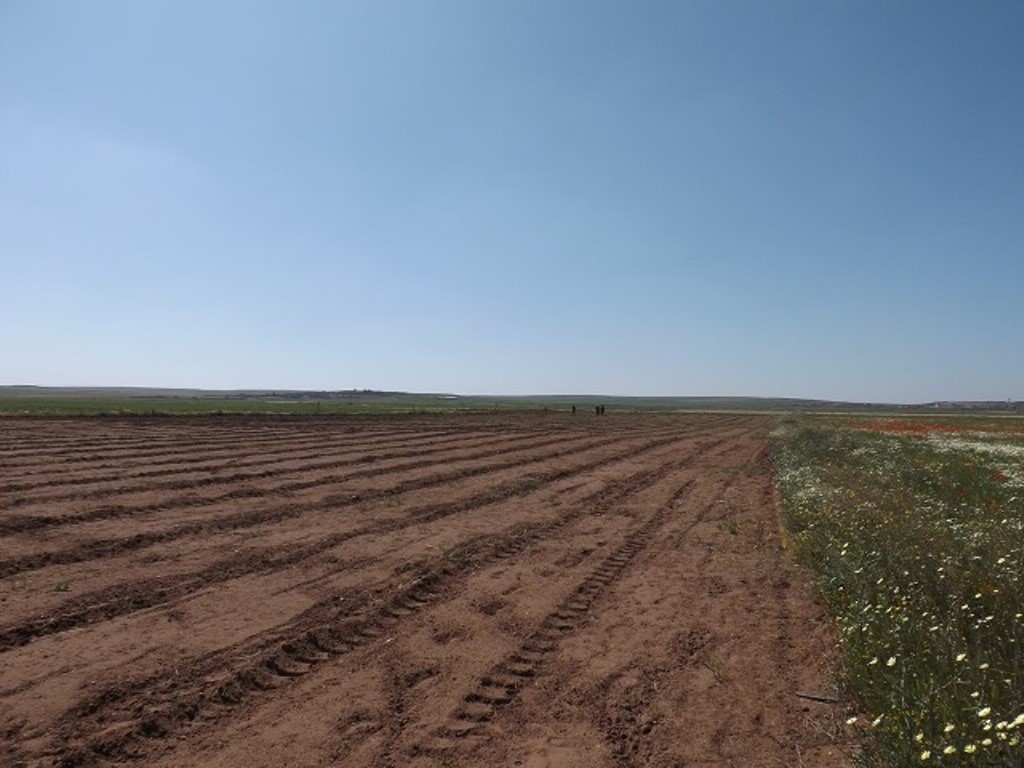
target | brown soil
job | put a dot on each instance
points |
(528, 589)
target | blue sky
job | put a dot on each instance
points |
(777, 198)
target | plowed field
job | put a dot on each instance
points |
(467, 590)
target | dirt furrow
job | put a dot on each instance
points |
(266, 467)
(141, 446)
(616, 598)
(500, 686)
(490, 597)
(152, 438)
(25, 523)
(326, 631)
(136, 596)
(180, 446)
(695, 658)
(361, 457)
(274, 514)
(232, 457)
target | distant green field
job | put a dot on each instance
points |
(45, 401)
(188, 406)
(68, 401)
(48, 404)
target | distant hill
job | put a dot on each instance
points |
(157, 400)
(29, 390)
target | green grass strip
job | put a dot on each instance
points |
(918, 544)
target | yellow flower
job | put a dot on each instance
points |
(970, 749)
(985, 712)
(950, 750)
(926, 754)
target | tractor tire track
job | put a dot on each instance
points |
(501, 685)
(319, 635)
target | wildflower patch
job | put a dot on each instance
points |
(917, 537)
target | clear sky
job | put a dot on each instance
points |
(690, 197)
